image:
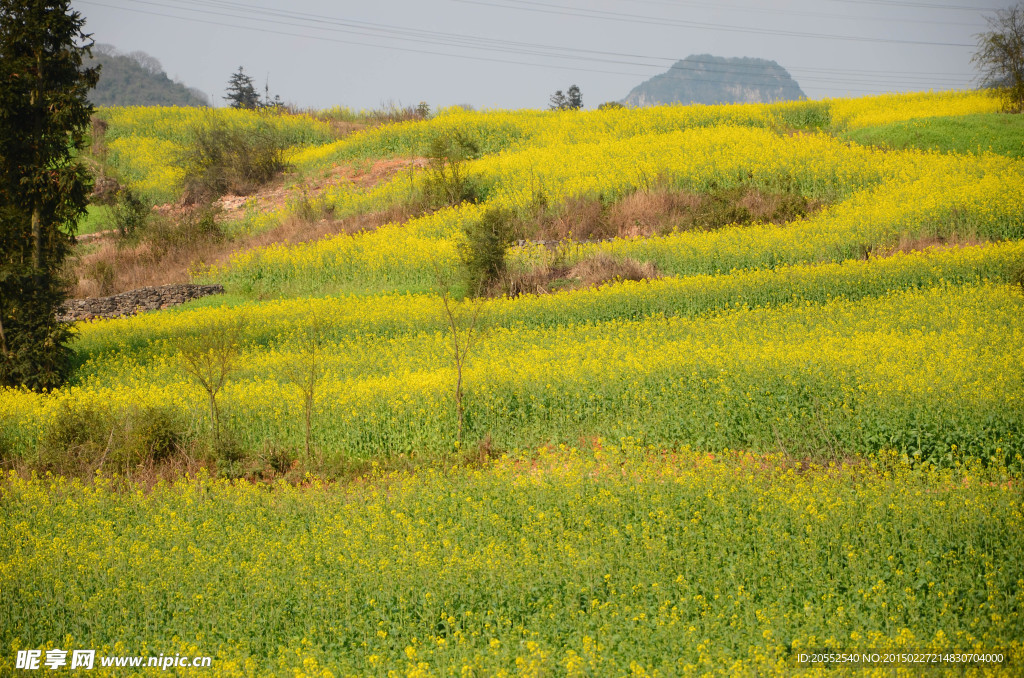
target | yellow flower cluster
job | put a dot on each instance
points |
(921, 371)
(173, 123)
(882, 110)
(147, 143)
(894, 377)
(627, 561)
(882, 198)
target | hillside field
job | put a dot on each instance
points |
(800, 428)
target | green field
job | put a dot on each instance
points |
(1001, 133)
(792, 436)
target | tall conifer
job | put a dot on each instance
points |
(44, 190)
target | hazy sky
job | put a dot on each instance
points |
(515, 53)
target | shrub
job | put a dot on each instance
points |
(74, 440)
(812, 115)
(150, 434)
(483, 253)
(195, 226)
(101, 272)
(129, 212)
(447, 182)
(79, 440)
(224, 159)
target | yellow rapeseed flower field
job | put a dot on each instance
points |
(617, 561)
(800, 436)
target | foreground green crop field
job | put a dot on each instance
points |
(801, 435)
(613, 562)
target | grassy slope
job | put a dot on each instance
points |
(1000, 133)
(96, 219)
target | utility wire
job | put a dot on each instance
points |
(680, 4)
(546, 8)
(491, 43)
(382, 31)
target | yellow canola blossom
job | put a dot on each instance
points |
(627, 560)
(889, 108)
(918, 370)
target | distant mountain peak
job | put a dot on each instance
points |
(137, 79)
(707, 79)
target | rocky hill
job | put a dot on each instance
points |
(137, 79)
(706, 79)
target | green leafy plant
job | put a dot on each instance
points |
(222, 158)
(129, 213)
(447, 180)
(485, 248)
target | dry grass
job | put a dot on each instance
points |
(912, 243)
(579, 218)
(295, 229)
(171, 247)
(647, 213)
(602, 268)
(662, 210)
(109, 266)
(593, 271)
(176, 244)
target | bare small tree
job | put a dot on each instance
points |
(462, 337)
(210, 358)
(306, 373)
(1000, 56)
(447, 180)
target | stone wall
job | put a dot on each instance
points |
(134, 301)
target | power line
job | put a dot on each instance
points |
(383, 31)
(340, 41)
(790, 12)
(545, 8)
(486, 43)
(927, 5)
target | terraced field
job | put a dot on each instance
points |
(799, 435)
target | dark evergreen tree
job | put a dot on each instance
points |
(574, 101)
(44, 191)
(562, 102)
(241, 91)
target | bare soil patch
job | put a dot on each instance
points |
(181, 239)
(276, 195)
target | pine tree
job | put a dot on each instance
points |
(241, 91)
(560, 102)
(575, 99)
(44, 191)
